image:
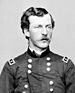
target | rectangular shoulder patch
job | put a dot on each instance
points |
(65, 59)
(11, 62)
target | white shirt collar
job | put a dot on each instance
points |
(37, 52)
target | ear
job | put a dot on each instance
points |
(26, 32)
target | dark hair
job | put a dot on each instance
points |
(35, 12)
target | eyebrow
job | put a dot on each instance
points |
(48, 25)
(38, 25)
(41, 25)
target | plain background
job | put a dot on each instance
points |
(13, 42)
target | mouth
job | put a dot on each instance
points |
(45, 39)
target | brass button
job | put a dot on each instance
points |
(29, 71)
(30, 60)
(51, 89)
(48, 64)
(51, 82)
(24, 92)
(26, 86)
(48, 69)
(29, 66)
(48, 58)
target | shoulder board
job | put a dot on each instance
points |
(11, 62)
(65, 59)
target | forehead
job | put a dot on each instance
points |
(46, 19)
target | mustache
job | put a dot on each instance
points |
(44, 38)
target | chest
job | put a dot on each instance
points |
(43, 75)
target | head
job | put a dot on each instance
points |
(34, 22)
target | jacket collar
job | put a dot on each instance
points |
(34, 54)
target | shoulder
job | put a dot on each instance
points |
(63, 62)
(11, 62)
(61, 58)
(65, 59)
(17, 60)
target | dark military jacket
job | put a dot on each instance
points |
(28, 73)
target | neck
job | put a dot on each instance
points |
(32, 53)
(36, 51)
(35, 48)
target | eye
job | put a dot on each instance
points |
(49, 26)
(39, 26)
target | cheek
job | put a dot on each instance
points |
(50, 34)
(34, 35)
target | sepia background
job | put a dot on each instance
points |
(13, 42)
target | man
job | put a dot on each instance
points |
(38, 70)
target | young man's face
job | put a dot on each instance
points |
(40, 32)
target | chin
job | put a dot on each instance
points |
(44, 46)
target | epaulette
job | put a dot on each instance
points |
(65, 59)
(11, 62)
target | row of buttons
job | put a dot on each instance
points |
(51, 83)
(30, 66)
(30, 60)
(48, 64)
(51, 89)
(48, 69)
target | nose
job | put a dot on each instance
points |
(44, 31)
